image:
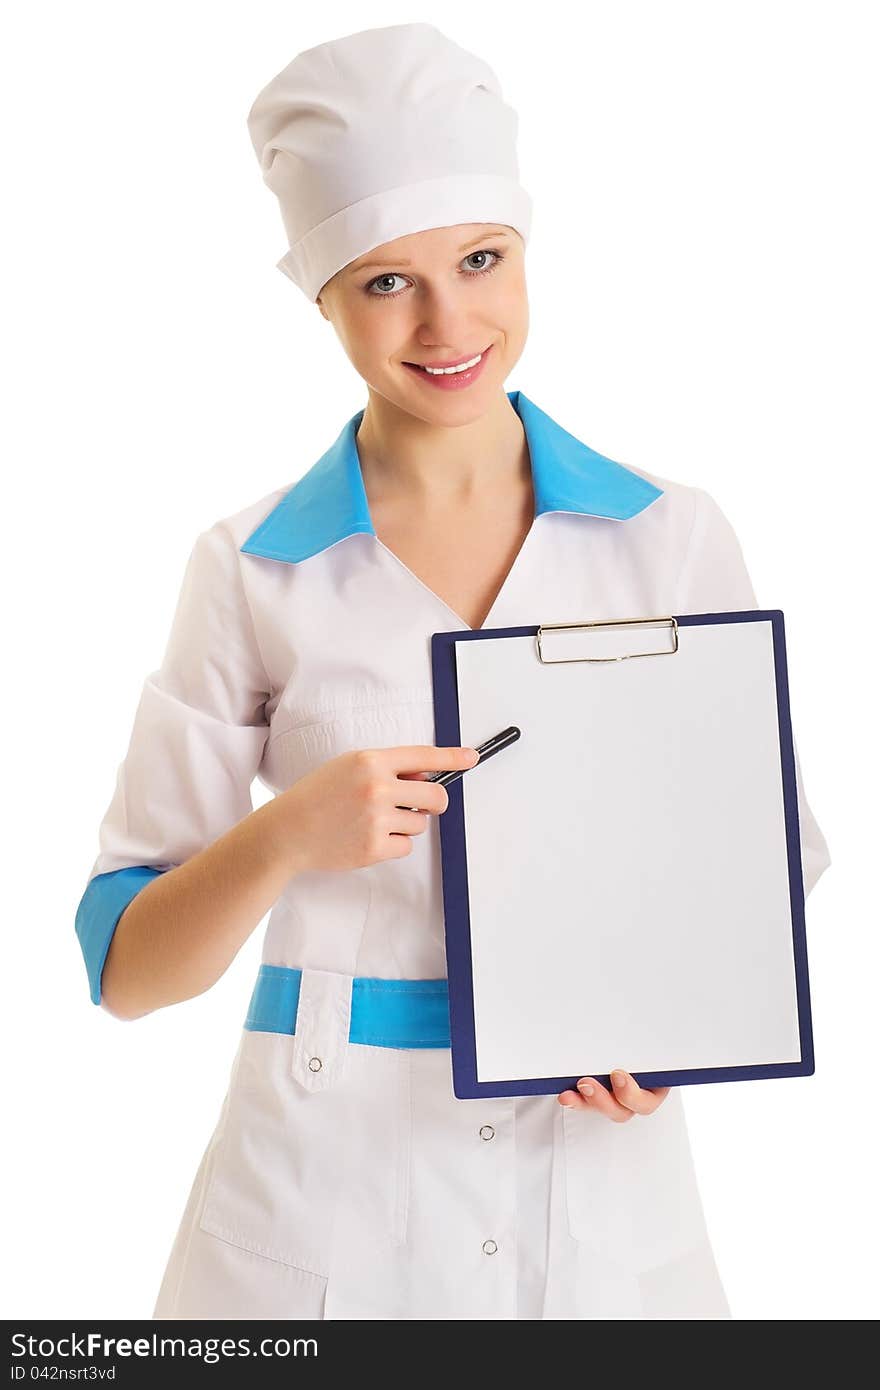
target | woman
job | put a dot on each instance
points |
(344, 1179)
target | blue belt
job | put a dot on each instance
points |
(384, 1013)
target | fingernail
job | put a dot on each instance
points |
(619, 1078)
(585, 1088)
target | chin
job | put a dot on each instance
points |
(455, 407)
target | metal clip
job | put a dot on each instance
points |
(620, 622)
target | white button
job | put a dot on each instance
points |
(487, 1132)
(315, 1064)
(489, 1247)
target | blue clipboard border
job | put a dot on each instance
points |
(447, 731)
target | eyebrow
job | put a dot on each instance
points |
(364, 265)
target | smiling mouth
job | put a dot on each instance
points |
(466, 365)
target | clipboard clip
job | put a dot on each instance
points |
(669, 623)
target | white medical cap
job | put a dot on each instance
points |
(382, 133)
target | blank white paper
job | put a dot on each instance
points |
(626, 858)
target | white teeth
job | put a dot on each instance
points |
(462, 367)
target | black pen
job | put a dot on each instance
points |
(485, 750)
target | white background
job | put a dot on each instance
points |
(704, 304)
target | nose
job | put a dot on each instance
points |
(444, 327)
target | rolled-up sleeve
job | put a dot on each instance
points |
(196, 744)
(714, 579)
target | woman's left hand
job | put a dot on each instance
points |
(627, 1100)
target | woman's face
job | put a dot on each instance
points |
(442, 295)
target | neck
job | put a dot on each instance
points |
(407, 459)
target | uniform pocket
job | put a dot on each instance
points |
(631, 1188)
(293, 1161)
(277, 1165)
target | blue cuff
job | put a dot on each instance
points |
(101, 906)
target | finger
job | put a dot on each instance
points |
(592, 1095)
(421, 777)
(597, 1098)
(424, 757)
(410, 777)
(407, 822)
(430, 797)
(628, 1092)
(572, 1100)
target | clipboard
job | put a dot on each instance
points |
(623, 885)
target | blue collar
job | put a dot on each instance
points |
(329, 502)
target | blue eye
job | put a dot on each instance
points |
(498, 258)
(390, 275)
(393, 275)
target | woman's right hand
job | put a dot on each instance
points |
(353, 810)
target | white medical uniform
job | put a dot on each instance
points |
(365, 1189)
